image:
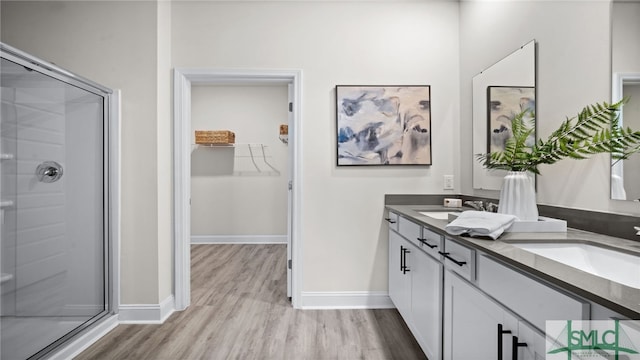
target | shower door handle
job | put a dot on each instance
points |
(49, 171)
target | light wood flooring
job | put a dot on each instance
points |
(239, 310)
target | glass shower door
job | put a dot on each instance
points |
(52, 218)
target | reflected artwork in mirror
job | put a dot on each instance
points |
(625, 76)
(503, 104)
(502, 90)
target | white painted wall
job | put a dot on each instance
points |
(229, 194)
(122, 45)
(119, 44)
(164, 99)
(345, 246)
(126, 45)
(625, 28)
(573, 71)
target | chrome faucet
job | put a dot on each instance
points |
(480, 205)
(492, 207)
(477, 204)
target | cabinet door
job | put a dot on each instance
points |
(534, 343)
(399, 280)
(471, 323)
(426, 302)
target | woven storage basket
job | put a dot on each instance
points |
(210, 137)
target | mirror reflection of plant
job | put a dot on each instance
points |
(594, 130)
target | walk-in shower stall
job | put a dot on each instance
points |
(56, 257)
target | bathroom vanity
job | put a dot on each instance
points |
(474, 298)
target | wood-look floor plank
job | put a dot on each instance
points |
(239, 310)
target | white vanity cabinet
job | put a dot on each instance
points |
(492, 311)
(476, 327)
(415, 286)
(426, 303)
(463, 303)
(399, 277)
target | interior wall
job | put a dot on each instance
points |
(232, 193)
(418, 45)
(164, 150)
(346, 43)
(442, 44)
(625, 28)
(573, 70)
(116, 44)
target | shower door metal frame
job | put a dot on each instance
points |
(111, 190)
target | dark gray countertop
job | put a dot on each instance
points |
(620, 298)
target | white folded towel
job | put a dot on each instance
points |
(480, 223)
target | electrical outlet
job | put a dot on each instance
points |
(448, 182)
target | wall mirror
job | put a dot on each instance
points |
(503, 89)
(625, 174)
(625, 76)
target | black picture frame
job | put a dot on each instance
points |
(383, 125)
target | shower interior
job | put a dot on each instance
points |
(55, 243)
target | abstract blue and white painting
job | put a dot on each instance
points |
(383, 125)
(504, 103)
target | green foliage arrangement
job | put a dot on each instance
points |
(594, 130)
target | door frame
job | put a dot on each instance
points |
(184, 78)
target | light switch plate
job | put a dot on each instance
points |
(448, 182)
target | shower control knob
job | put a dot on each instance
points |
(49, 171)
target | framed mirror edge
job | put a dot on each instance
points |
(618, 81)
(624, 70)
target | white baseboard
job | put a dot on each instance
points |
(83, 342)
(239, 239)
(346, 300)
(146, 313)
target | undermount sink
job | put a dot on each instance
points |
(442, 215)
(610, 264)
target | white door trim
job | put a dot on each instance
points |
(290, 99)
(184, 78)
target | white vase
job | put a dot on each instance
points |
(518, 196)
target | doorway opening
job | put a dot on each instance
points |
(184, 80)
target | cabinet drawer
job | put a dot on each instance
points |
(460, 259)
(432, 242)
(529, 298)
(409, 230)
(392, 220)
